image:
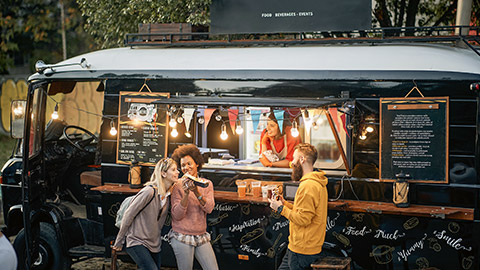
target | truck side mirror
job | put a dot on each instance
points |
(17, 118)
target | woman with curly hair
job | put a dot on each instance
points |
(190, 205)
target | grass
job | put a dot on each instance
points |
(6, 147)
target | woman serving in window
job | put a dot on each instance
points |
(276, 148)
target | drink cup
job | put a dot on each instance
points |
(265, 192)
(257, 189)
(241, 189)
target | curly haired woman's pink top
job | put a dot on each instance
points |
(191, 220)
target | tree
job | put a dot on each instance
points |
(410, 13)
(109, 21)
(30, 30)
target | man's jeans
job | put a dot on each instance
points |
(296, 261)
(145, 259)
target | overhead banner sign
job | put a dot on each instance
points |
(273, 16)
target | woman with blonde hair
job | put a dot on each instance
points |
(144, 218)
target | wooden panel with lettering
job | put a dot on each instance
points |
(142, 130)
(414, 138)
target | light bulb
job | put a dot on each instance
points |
(314, 125)
(201, 120)
(113, 131)
(224, 134)
(363, 137)
(174, 133)
(180, 119)
(172, 123)
(218, 117)
(239, 129)
(18, 110)
(55, 112)
(369, 129)
(55, 115)
(294, 132)
(188, 135)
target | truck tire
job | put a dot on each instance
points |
(50, 252)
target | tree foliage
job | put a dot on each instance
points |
(31, 30)
(409, 13)
(109, 21)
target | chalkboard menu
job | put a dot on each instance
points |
(142, 132)
(414, 138)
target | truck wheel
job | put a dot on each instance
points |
(50, 253)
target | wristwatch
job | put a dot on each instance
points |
(280, 209)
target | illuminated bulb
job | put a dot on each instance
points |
(172, 123)
(314, 125)
(180, 119)
(201, 120)
(18, 111)
(369, 129)
(113, 130)
(174, 133)
(239, 129)
(294, 130)
(224, 134)
(218, 117)
(55, 112)
(363, 137)
(188, 135)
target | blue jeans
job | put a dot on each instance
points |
(145, 259)
(184, 254)
(296, 261)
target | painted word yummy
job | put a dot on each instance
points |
(407, 252)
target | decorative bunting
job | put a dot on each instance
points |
(208, 115)
(255, 114)
(232, 117)
(279, 116)
(344, 123)
(187, 115)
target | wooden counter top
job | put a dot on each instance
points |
(369, 207)
(343, 205)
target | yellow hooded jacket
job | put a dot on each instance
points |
(308, 214)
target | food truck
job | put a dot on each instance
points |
(395, 123)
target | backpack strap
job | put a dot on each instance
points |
(154, 193)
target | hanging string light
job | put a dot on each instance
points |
(174, 133)
(294, 130)
(113, 130)
(172, 123)
(188, 135)
(224, 134)
(55, 112)
(239, 128)
(201, 120)
(369, 129)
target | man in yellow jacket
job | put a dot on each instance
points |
(308, 214)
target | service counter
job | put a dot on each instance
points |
(247, 234)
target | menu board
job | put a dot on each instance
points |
(142, 132)
(414, 138)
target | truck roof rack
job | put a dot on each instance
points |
(190, 38)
